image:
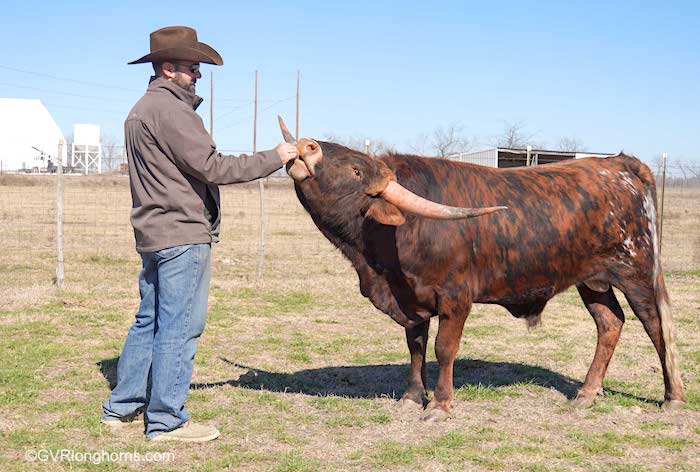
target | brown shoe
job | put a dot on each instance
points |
(189, 432)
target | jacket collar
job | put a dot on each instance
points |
(191, 99)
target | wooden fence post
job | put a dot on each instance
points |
(59, 218)
(261, 187)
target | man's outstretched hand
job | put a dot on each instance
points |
(286, 151)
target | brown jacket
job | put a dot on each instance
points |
(174, 169)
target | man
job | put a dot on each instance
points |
(174, 170)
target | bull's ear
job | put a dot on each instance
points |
(385, 213)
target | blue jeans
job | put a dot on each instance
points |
(174, 287)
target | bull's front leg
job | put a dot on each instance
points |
(446, 347)
(417, 340)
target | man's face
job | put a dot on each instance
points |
(183, 73)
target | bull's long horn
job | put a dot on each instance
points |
(285, 132)
(412, 203)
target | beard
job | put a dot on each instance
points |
(184, 81)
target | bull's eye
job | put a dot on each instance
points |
(357, 172)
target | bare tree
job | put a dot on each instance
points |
(372, 146)
(657, 163)
(420, 145)
(570, 144)
(443, 142)
(694, 170)
(111, 153)
(449, 140)
(515, 136)
(682, 168)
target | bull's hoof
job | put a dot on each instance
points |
(670, 406)
(582, 401)
(435, 415)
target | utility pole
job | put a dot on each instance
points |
(297, 127)
(255, 115)
(211, 105)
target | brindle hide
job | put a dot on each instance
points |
(587, 223)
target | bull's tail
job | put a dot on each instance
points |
(663, 306)
(668, 330)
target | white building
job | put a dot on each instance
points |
(28, 135)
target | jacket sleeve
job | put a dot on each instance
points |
(194, 152)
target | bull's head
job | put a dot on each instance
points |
(327, 173)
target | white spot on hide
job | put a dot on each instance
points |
(650, 210)
(628, 182)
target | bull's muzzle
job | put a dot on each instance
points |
(310, 154)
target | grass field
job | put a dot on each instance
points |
(301, 373)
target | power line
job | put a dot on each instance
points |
(261, 112)
(82, 82)
(122, 113)
(244, 100)
(229, 111)
(63, 93)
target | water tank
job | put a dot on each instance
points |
(86, 134)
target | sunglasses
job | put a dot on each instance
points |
(193, 68)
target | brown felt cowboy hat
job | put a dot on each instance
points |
(179, 43)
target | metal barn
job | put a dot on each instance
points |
(513, 157)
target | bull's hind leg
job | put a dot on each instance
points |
(417, 340)
(609, 318)
(651, 306)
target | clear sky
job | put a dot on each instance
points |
(615, 75)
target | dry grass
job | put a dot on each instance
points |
(301, 373)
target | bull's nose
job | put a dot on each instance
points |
(298, 170)
(308, 148)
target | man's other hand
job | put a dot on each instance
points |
(287, 152)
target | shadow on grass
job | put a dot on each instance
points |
(108, 367)
(387, 380)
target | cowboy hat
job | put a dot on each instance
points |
(174, 43)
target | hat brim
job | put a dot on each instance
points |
(199, 52)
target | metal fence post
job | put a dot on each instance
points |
(663, 191)
(59, 218)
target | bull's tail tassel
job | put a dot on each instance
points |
(668, 330)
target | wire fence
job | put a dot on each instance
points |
(96, 212)
(113, 160)
(96, 225)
